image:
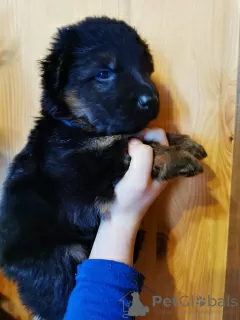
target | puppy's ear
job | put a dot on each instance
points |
(55, 66)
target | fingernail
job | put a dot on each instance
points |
(135, 141)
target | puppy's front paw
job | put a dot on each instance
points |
(188, 166)
(184, 142)
(194, 148)
(175, 163)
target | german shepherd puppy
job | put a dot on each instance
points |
(97, 93)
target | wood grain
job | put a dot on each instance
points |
(195, 49)
(233, 257)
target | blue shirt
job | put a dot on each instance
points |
(103, 291)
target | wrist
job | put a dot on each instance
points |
(123, 223)
(115, 240)
(127, 217)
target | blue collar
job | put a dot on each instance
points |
(69, 124)
(76, 125)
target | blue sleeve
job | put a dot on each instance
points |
(103, 290)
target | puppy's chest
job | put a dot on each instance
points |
(78, 222)
(85, 168)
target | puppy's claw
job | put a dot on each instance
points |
(191, 170)
(197, 151)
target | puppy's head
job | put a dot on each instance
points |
(98, 71)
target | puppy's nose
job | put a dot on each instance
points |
(145, 102)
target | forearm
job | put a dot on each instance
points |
(115, 240)
(106, 281)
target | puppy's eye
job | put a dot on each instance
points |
(105, 75)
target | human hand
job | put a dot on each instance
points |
(137, 191)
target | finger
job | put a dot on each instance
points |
(140, 167)
(156, 135)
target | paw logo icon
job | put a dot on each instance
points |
(201, 301)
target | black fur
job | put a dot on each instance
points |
(55, 184)
(97, 92)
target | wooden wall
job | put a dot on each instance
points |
(195, 46)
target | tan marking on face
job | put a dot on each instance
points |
(77, 105)
(78, 108)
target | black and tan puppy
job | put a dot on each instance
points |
(97, 92)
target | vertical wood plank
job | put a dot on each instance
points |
(233, 257)
(195, 49)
